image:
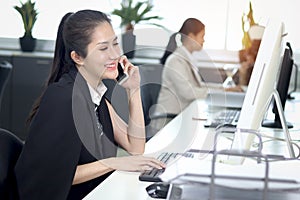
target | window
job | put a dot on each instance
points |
(222, 19)
(50, 14)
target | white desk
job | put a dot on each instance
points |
(180, 134)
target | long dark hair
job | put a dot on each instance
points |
(190, 25)
(74, 34)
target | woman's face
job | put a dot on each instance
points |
(102, 54)
(199, 38)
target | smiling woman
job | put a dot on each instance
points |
(73, 125)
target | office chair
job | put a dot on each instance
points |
(10, 149)
(150, 87)
(5, 70)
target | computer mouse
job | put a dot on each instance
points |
(158, 190)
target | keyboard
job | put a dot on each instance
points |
(224, 117)
(166, 157)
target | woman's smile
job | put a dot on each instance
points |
(111, 66)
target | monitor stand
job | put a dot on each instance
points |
(283, 122)
(275, 123)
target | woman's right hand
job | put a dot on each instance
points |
(133, 163)
(134, 79)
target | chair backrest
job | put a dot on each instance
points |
(10, 149)
(150, 87)
(151, 79)
(5, 70)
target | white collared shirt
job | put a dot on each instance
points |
(97, 94)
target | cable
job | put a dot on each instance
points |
(272, 139)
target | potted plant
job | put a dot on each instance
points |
(29, 14)
(132, 14)
(247, 22)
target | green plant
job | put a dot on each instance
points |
(133, 14)
(29, 15)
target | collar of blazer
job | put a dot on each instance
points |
(184, 55)
(85, 117)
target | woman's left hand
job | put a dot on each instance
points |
(133, 81)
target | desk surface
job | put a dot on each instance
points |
(182, 133)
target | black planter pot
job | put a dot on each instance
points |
(27, 43)
(128, 44)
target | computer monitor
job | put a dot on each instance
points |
(261, 86)
(282, 88)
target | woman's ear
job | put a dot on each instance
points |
(76, 58)
(192, 35)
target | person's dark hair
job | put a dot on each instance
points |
(190, 25)
(74, 34)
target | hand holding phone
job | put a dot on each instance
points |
(123, 76)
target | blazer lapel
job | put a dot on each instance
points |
(194, 70)
(85, 118)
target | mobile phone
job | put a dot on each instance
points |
(122, 76)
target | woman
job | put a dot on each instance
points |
(74, 130)
(181, 81)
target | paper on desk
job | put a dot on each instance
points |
(284, 170)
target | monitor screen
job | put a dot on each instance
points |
(261, 86)
(282, 87)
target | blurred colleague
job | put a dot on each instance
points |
(181, 81)
(74, 131)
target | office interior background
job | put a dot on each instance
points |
(221, 17)
(223, 20)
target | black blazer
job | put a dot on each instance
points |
(63, 134)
